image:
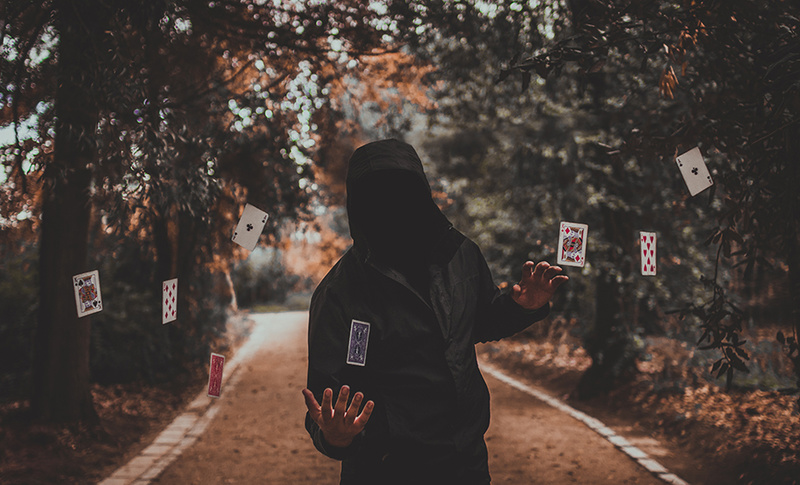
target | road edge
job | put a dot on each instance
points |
(636, 454)
(181, 433)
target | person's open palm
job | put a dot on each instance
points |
(339, 424)
(538, 285)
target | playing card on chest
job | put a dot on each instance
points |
(648, 245)
(169, 301)
(87, 293)
(694, 171)
(357, 347)
(215, 375)
(572, 244)
(250, 226)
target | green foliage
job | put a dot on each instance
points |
(185, 111)
(738, 78)
(18, 302)
(612, 91)
(129, 341)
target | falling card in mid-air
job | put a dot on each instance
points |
(250, 226)
(359, 338)
(87, 293)
(648, 244)
(169, 301)
(694, 171)
(215, 375)
(572, 240)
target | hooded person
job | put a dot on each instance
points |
(426, 296)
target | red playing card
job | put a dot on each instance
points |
(169, 302)
(648, 247)
(215, 375)
(572, 244)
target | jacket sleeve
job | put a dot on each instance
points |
(499, 316)
(328, 333)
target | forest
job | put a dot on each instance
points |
(133, 133)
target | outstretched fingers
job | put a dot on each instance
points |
(327, 408)
(558, 281)
(352, 411)
(362, 418)
(527, 269)
(341, 402)
(539, 270)
(313, 406)
(551, 271)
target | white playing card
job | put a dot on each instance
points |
(87, 293)
(250, 226)
(169, 301)
(647, 241)
(572, 239)
(694, 171)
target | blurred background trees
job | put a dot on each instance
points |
(611, 93)
(134, 132)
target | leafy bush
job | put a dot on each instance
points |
(18, 304)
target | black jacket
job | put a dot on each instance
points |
(431, 402)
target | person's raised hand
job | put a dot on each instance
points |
(538, 285)
(339, 424)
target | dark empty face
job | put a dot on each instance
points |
(394, 209)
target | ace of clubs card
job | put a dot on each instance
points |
(694, 171)
(169, 301)
(87, 293)
(215, 375)
(648, 244)
(572, 240)
(250, 226)
(357, 347)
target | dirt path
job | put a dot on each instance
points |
(257, 435)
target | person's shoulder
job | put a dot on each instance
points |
(467, 246)
(336, 278)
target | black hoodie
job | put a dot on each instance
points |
(429, 297)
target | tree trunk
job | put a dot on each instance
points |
(610, 342)
(61, 389)
(792, 143)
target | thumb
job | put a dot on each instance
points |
(314, 409)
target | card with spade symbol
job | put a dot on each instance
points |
(648, 244)
(169, 301)
(87, 293)
(250, 226)
(694, 171)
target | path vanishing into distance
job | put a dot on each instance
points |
(254, 433)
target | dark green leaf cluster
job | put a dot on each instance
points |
(614, 91)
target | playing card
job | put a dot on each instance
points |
(169, 301)
(648, 243)
(357, 348)
(215, 375)
(87, 293)
(572, 244)
(250, 226)
(694, 171)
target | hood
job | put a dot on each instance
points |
(389, 203)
